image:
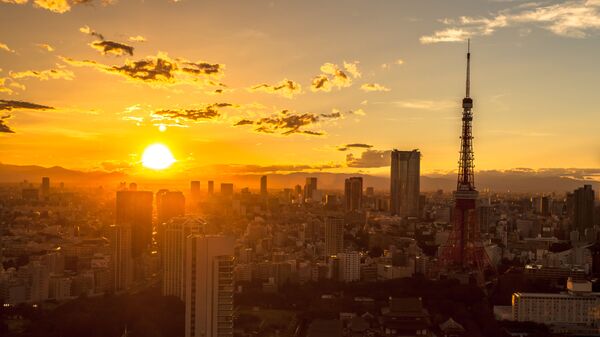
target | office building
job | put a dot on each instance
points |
(169, 204)
(134, 209)
(334, 236)
(226, 189)
(121, 261)
(349, 264)
(583, 209)
(310, 187)
(353, 189)
(195, 190)
(173, 253)
(209, 286)
(405, 183)
(211, 187)
(45, 188)
(263, 186)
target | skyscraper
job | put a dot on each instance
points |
(583, 208)
(353, 192)
(209, 286)
(263, 185)
(211, 187)
(195, 190)
(121, 262)
(45, 189)
(334, 236)
(405, 183)
(169, 204)
(226, 189)
(310, 187)
(134, 209)
(173, 253)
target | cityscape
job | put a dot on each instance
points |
(153, 196)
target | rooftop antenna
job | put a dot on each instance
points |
(468, 68)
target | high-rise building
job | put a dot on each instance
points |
(45, 189)
(169, 204)
(310, 187)
(195, 190)
(334, 236)
(226, 189)
(173, 253)
(405, 183)
(134, 209)
(349, 264)
(121, 261)
(353, 193)
(583, 208)
(263, 185)
(209, 286)
(211, 187)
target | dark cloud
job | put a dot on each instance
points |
(244, 122)
(160, 70)
(369, 158)
(3, 127)
(8, 105)
(354, 145)
(111, 47)
(207, 112)
(336, 114)
(286, 88)
(249, 169)
(89, 31)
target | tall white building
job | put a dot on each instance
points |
(334, 236)
(122, 261)
(209, 286)
(349, 264)
(173, 252)
(579, 306)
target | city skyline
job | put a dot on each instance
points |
(377, 76)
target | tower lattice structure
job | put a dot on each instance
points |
(464, 250)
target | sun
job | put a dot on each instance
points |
(157, 157)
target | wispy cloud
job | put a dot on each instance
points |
(44, 75)
(9, 106)
(137, 38)
(57, 6)
(6, 48)
(286, 88)
(572, 18)
(284, 122)
(45, 47)
(332, 76)
(106, 46)
(370, 87)
(424, 104)
(354, 146)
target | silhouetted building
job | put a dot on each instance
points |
(583, 208)
(226, 189)
(209, 286)
(405, 183)
(263, 185)
(134, 209)
(353, 193)
(310, 187)
(195, 190)
(30, 194)
(211, 187)
(121, 259)
(334, 236)
(45, 188)
(169, 204)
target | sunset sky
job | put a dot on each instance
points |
(244, 85)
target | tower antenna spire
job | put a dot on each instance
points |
(468, 68)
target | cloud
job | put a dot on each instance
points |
(3, 127)
(7, 83)
(333, 77)
(137, 38)
(398, 62)
(44, 75)
(116, 165)
(354, 146)
(56, 6)
(573, 18)
(7, 105)
(369, 158)
(370, 87)
(253, 169)
(106, 46)
(425, 104)
(180, 116)
(111, 47)
(6, 48)
(160, 70)
(45, 47)
(286, 88)
(284, 123)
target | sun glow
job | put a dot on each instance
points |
(157, 157)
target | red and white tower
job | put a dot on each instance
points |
(464, 251)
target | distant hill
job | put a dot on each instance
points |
(520, 181)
